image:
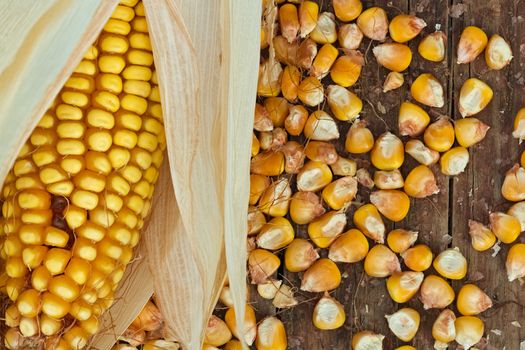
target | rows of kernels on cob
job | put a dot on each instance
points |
(78, 194)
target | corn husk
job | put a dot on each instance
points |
(206, 92)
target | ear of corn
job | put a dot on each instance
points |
(86, 186)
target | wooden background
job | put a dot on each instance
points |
(442, 219)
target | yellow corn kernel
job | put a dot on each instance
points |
(472, 42)
(344, 104)
(436, 293)
(404, 27)
(217, 332)
(432, 47)
(506, 227)
(418, 258)
(299, 255)
(308, 16)
(454, 161)
(381, 262)
(321, 126)
(256, 220)
(54, 306)
(350, 36)
(393, 80)
(412, 119)
(328, 313)
(323, 275)
(513, 188)
(388, 180)
(451, 264)
(366, 340)
(261, 119)
(269, 163)
(350, 247)
(324, 60)
(518, 211)
(439, 135)
(290, 82)
(255, 145)
(515, 263)
(443, 328)
(406, 347)
(340, 192)
(296, 120)
(305, 207)
(262, 264)
(402, 286)
(469, 331)
(275, 201)
(28, 303)
(393, 204)
(275, 234)
(278, 110)
(65, 287)
(481, 236)
(421, 182)
(45, 155)
(472, 300)
(474, 96)
(320, 151)
(347, 69)
(388, 152)
(271, 335)
(33, 256)
(311, 92)
(269, 83)
(293, 157)
(325, 31)
(325, 229)
(470, 131)
(368, 221)
(373, 22)
(285, 52)
(359, 138)
(12, 316)
(404, 323)
(344, 167)
(31, 234)
(399, 240)
(78, 270)
(498, 53)
(34, 199)
(258, 184)
(313, 176)
(347, 10)
(519, 126)
(393, 56)
(289, 21)
(14, 287)
(427, 89)
(40, 278)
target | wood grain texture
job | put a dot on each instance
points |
(441, 219)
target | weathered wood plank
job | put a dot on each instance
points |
(477, 192)
(429, 216)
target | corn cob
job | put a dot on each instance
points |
(81, 188)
